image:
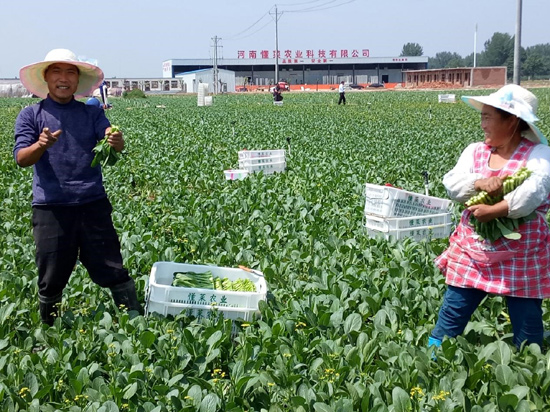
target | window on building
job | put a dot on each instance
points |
(155, 84)
(174, 84)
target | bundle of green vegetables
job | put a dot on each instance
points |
(206, 280)
(502, 226)
(104, 152)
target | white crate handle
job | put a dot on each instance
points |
(376, 194)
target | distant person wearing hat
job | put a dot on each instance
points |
(71, 211)
(342, 91)
(518, 269)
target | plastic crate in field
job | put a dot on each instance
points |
(417, 233)
(267, 161)
(254, 161)
(385, 224)
(256, 154)
(267, 168)
(161, 297)
(387, 201)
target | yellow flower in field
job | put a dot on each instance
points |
(23, 391)
(287, 355)
(441, 396)
(169, 331)
(245, 325)
(301, 325)
(270, 384)
(417, 391)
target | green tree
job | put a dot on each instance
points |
(537, 60)
(440, 60)
(533, 65)
(412, 49)
(499, 49)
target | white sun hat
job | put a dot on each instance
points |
(32, 76)
(516, 100)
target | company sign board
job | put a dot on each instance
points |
(298, 56)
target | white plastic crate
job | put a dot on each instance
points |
(161, 297)
(446, 98)
(417, 233)
(387, 201)
(280, 103)
(235, 174)
(385, 224)
(254, 154)
(267, 168)
(261, 160)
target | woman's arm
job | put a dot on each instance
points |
(535, 189)
(460, 181)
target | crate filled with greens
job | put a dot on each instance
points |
(204, 291)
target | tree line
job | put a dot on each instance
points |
(498, 51)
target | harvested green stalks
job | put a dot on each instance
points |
(104, 153)
(502, 226)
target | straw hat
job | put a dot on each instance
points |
(516, 100)
(32, 76)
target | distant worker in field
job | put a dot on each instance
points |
(94, 101)
(104, 103)
(71, 213)
(277, 94)
(342, 91)
(502, 243)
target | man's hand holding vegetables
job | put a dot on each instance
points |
(115, 139)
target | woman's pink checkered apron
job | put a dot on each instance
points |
(506, 267)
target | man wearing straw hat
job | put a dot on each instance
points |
(71, 212)
(515, 266)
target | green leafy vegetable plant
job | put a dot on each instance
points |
(105, 154)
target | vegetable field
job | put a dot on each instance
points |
(347, 319)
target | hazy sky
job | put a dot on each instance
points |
(131, 38)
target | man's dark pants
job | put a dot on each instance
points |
(342, 98)
(64, 234)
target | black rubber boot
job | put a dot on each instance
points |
(125, 297)
(49, 308)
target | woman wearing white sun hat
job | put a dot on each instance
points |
(518, 269)
(71, 211)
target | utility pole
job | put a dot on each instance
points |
(276, 46)
(475, 45)
(215, 63)
(517, 45)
